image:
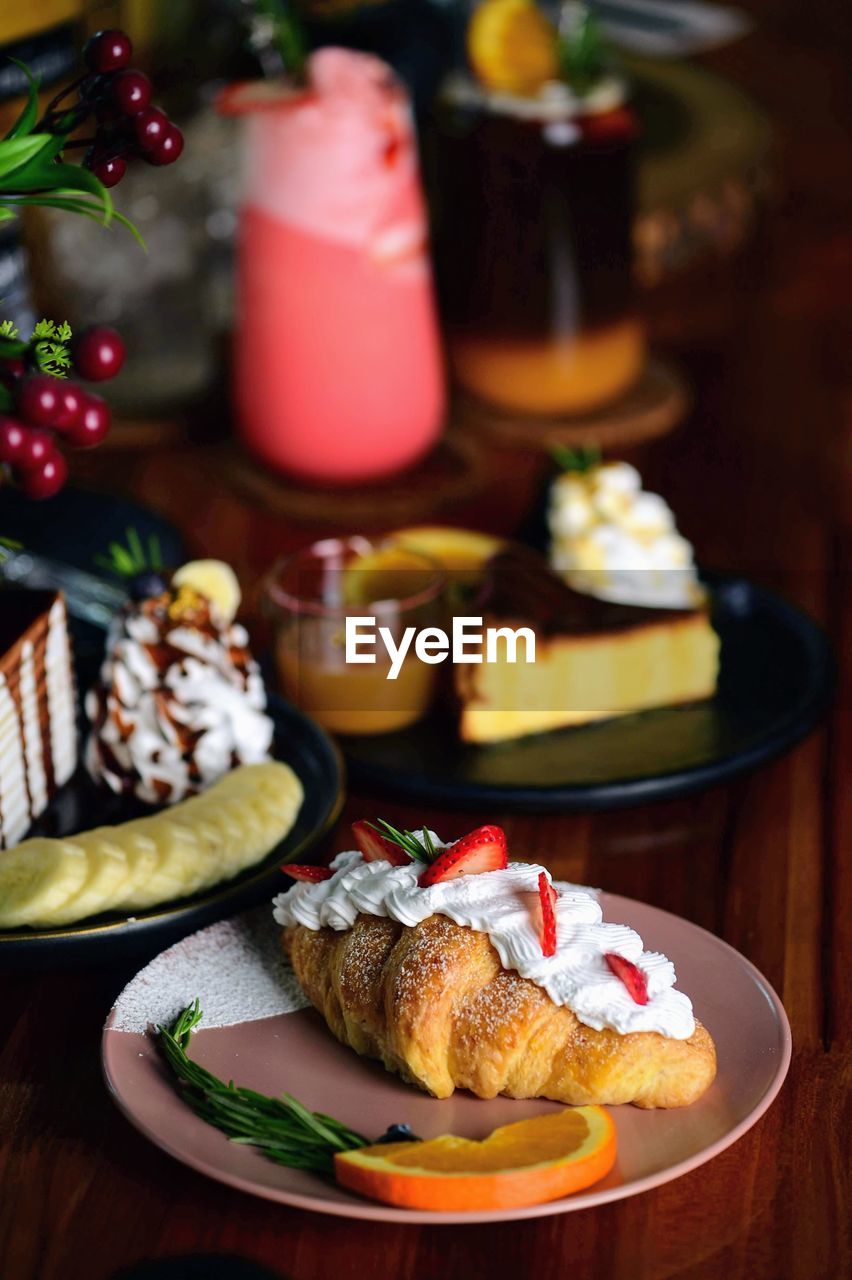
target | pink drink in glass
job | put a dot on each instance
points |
(339, 374)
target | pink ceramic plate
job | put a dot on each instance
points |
(294, 1052)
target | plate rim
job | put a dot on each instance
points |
(366, 1210)
(31, 939)
(795, 725)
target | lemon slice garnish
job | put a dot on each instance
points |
(512, 46)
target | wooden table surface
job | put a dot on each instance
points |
(759, 476)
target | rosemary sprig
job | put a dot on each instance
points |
(282, 1128)
(277, 37)
(128, 561)
(579, 460)
(582, 49)
(421, 849)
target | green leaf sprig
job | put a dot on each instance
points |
(47, 350)
(582, 48)
(276, 36)
(282, 1128)
(33, 172)
(134, 558)
(579, 460)
(50, 347)
(421, 847)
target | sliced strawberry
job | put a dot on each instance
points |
(630, 974)
(483, 850)
(547, 895)
(377, 848)
(302, 871)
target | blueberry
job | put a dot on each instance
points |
(147, 584)
(398, 1133)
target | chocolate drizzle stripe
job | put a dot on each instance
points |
(27, 726)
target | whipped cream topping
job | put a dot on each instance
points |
(555, 100)
(177, 705)
(339, 161)
(503, 905)
(612, 539)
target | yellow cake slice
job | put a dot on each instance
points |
(594, 659)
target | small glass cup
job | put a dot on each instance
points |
(309, 596)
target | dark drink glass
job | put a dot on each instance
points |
(533, 202)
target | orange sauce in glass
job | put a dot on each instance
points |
(352, 698)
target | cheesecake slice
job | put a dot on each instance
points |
(594, 659)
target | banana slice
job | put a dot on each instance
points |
(172, 854)
(176, 872)
(103, 885)
(213, 579)
(143, 857)
(37, 878)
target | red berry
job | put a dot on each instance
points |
(36, 448)
(46, 479)
(108, 51)
(376, 847)
(12, 436)
(630, 974)
(482, 850)
(72, 400)
(303, 871)
(93, 424)
(99, 353)
(39, 399)
(108, 170)
(11, 368)
(131, 91)
(167, 150)
(151, 125)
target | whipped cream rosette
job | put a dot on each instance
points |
(612, 539)
(180, 699)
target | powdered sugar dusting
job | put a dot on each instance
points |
(236, 968)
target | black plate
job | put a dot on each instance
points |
(774, 683)
(81, 805)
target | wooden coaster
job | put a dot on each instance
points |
(652, 407)
(454, 471)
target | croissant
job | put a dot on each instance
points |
(434, 1004)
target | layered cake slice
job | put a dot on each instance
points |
(594, 659)
(38, 729)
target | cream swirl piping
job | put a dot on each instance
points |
(500, 904)
(175, 708)
(612, 539)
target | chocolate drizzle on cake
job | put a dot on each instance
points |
(180, 700)
(520, 586)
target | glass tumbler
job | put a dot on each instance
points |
(309, 596)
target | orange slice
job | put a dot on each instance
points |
(528, 1162)
(453, 549)
(512, 46)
